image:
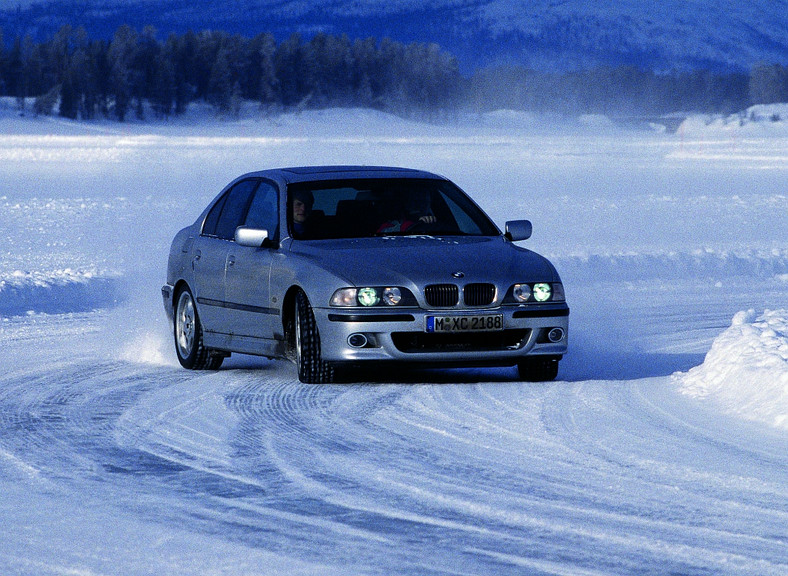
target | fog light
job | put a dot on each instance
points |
(555, 335)
(357, 340)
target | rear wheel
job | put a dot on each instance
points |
(312, 369)
(538, 369)
(188, 336)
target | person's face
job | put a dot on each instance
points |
(300, 211)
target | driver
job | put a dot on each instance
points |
(301, 209)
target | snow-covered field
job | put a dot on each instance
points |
(662, 448)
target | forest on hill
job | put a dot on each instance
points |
(136, 73)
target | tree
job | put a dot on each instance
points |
(223, 81)
(16, 75)
(144, 69)
(178, 52)
(2, 63)
(768, 84)
(263, 82)
(120, 57)
(295, 69)
(333, 70)
(44, 103)
(206, 50)
(366, 88)
(96, 78)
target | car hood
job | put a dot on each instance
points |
(420, 260)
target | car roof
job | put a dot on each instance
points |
(318, 173)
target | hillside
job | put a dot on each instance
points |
(543, 34)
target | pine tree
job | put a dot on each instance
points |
(264, 85)
(163, 91)
(2, 64)
(768, 84)
(120, 57)
(222, 81)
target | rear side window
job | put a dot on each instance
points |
(209, 227)
(229, 211)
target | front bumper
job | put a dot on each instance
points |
(401, 335)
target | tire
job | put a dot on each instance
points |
(311, 368)
(538, 369)
(187, 332)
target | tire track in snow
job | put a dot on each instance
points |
(436, 478)
(690, 480)
(451, 435)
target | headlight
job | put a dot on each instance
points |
(368, 297)
(373, 296)
(542, 292)
(345, 297)
(392, 296)
(521, 292)
(536, 292)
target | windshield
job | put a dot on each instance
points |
(383, 207)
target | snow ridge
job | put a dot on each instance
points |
(669, 265)
(58, 291)
(746, 370)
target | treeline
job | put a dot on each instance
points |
(136, 73)
(77, 77)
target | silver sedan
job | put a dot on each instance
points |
(338, 266)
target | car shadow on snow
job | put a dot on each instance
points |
(391, 374)
(590, 364)
(582, 363)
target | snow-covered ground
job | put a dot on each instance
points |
(661, 448)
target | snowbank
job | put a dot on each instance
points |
(709, 263)
(746, 370)
(251, 121)
(760, 120)
(57, 291)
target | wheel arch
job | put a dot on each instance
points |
(288, 308)
(179, 287)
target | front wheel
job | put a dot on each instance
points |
(188, 336)
(312, 369)
(538, 369)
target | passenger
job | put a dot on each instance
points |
(416, 211)
(419, 207)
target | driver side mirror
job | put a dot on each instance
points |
(251, 237)
(519, 230)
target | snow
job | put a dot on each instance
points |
(746, 370)
(661, 448)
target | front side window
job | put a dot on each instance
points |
(383, 207)
(263, 212)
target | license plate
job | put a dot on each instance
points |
(485, 323)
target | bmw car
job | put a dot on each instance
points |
(336, 267)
